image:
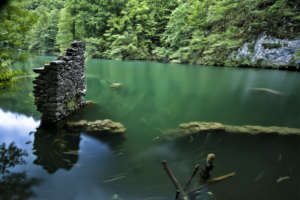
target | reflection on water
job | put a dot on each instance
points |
(10, 157)
(18, 186)
(153, 98)
(55, 150)
(15, 185)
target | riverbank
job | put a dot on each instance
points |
(279, 67)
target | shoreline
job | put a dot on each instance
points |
(280, 67)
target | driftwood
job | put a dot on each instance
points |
(192, 176)
(175, 181)
(204, 174)
(214, 180)
(204, 178)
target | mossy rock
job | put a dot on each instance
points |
(271, 45)
(251, 47)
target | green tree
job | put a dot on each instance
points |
(64, 34)
(15, 23)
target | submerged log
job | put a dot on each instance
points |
(208, 127)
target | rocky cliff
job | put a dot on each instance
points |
(270, 49)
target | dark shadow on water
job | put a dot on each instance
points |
(59, 148)
(56, 149)
(113, 141)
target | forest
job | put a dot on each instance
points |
(125, 99)
(206, 32)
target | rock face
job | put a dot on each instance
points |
(60, 87)
(208, 127)
(275, 50)
(97, 126)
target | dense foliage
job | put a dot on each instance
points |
(15, 23)
(180, 31)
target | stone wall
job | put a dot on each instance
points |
(60, 87)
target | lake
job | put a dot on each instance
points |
(154, 98)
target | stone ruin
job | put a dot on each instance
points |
(60, 87)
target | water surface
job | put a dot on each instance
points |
(153, 98)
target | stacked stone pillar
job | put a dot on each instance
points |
(60, 87)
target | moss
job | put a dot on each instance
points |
(251, 47)
(72, 105)
(271, 45)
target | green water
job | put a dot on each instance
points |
(153, 98)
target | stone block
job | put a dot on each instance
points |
(38, 82)
(39, 70)
(51, 105)
(66, 58)
(56, 99)
(55, 67)
(70, 49)
(57, 63)
(70, 53)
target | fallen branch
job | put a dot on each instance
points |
(192, 176)
(214, 180)
(175, 181)
(204, 178)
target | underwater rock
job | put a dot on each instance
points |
(205, 127)
(106, 125)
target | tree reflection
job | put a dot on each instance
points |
(17, 186)
(10, 157)
(55, 149)
(14, 186)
